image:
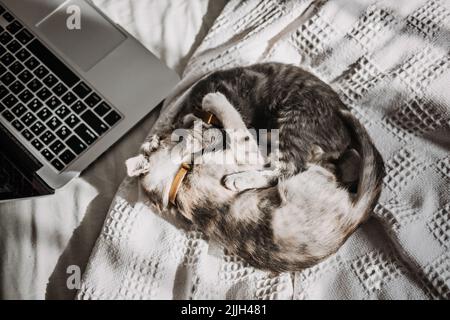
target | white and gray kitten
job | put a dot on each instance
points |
(285, 227)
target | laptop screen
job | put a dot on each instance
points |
(13, 184)
(18, 178)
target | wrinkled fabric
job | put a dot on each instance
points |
(40, 238)
(389, 61)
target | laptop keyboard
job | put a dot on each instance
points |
(57, 112)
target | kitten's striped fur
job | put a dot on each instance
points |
(301, 213)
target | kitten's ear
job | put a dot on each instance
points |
(137, 165)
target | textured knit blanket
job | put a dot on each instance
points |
(389, 61)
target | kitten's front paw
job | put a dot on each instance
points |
(213, 102)
(238, 181)
(150, 145)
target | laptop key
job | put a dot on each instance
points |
(54, 123)
(92, 100)
(59, 89)
(41, 72)
(35, 105)
(53, 63)
(44, 114)
(23, 54)
(47, 154)
(76, 144)
(8, 16)
(69, 98)
(24, 36)
(25, 96)
(37, 144)
(78, 107)
(102, 109)
(37, 128)
(50, 80)
(25, 76)
(16, 87)
(47, 137)
(72, 120)
(28, 118)
(57, 164)
(8, 115)
(16, 67)
(14, 46)
(57, 147)
(94, 122)
(19, 110)
(53, 102)
(14, 27)
(34, 85)
(85, 133)
(112, 118)
(44, 94)
(82, 90)
(62, 112)
(27, 134)
(9, 101)
(17, 125)
(63, 132)
(7, 78)
(32, 63)
(7, 59)
(67, 156)
(5, 37)
(3, 91)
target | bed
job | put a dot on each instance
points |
(389, 62)
(39, 238)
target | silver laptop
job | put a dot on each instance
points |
(71, 84)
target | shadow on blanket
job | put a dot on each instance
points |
(79, 247)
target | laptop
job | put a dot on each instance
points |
(72, 83)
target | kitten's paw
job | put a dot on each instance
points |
(150, 145)
(214, 102)
(242, 181)
(189, 119)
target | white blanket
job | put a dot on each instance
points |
(40, 238)
(389, 61)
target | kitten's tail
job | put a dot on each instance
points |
(371, 171)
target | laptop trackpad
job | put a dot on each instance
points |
(81, 33)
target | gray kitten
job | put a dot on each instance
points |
(284, 226)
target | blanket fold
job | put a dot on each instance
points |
(390, 63)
